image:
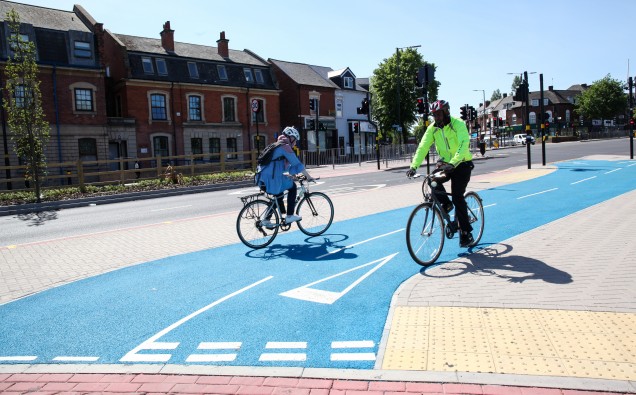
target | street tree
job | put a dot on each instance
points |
(384, 85)
(496, 95)
(515, 84)
(23, 101)
(604, 99)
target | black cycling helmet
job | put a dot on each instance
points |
(440, 105)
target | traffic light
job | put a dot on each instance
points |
(501, 122)
(473, 113)
(462, 111)
(521, 92)
(312, 105)
(547, 124)
(421, 108)
(495, 122)
(364, 109)
(356, 127)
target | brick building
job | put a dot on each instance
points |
(72, 82)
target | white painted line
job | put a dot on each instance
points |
(353, 344)
(490, 205)
(76, 359)
(211, 358)
(286, 345)
(612, 171)
(132, 355)
(633, 164)
(219, 346)
(360, 242)
(339, 185)
(19, 358)
(585, 179)
(309, 294)
(353, 356)
(162, 346)
(283, 357)
(170, 208)
(538, 193)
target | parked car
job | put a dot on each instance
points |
(521, 139)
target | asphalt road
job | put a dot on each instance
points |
(24, 228)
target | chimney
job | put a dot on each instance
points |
(505, 95)
(550, 88)
(222, 46)
(167, 37)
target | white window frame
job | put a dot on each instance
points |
(82, 49)
(249, 77)
(222, 72)
(162, 67)
(146, 63)
(258, 75)
(348, 82)
(193, 70)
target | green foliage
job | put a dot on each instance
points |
(515, 83)
(384, 85)
(605, 99)
(23, 101)
(496, 95)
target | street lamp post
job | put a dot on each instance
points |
(526, 112)
(399, 109)
(483, 114)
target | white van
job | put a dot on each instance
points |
(521, 139)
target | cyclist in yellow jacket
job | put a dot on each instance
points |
(452, 142)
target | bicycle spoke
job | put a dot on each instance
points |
(425, 234)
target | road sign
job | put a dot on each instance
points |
(255, 105)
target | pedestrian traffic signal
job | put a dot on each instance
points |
(421, 108)
(631, 122)
(356, 127)
(462, 111)
(547, 124)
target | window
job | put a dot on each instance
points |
(231, 147)
(259, 76)
(147, 64)
(196, 146)
(23, 38)
(87, 148)
(228, 109)
(194, 108)
(82, 49)
(215, 148)
(260, 116)
(339, 108)
(259, 143)
(192, 69)
(348, 82)
(533, 118)
(248, 75)
(160, 146)
(222, 72)
(83, 99)
(162, 69)
(534, 102)
(158, 107)
(20, 96)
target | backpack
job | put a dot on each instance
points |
(265, 158)
(266, 155)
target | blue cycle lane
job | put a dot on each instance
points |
(303, 301)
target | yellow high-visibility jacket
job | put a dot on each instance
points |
(451, 142)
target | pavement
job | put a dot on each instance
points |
(550, 311)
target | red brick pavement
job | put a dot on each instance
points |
(49, 384)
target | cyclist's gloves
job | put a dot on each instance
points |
(410, 173)
(447, 168)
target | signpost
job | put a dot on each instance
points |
(256, 108)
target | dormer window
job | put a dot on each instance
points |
(222, 72)
(348, 82)
(147, 64)
(248, 75)
(259, 76)
(82, 49)
(192, 69)
(162, 69)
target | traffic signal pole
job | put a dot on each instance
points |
(526, 121)
(631, 119)
(543, 131)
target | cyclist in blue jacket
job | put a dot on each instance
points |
(273, 178)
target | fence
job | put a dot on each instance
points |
(120, 171)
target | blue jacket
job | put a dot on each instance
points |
(272, 176)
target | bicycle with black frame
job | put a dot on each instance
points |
(260, 219)
(429, 223)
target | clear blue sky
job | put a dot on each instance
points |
(474, 43)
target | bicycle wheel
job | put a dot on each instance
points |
(475, 216)
(249, 228)
(317, 212)
(425, 234)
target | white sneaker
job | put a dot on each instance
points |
(292, 218)
(268, 224)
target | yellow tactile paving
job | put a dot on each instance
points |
(514, 341)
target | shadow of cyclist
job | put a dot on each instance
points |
(496, 260)
(319, 248)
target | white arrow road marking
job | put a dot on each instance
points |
(152, 344)
(328, 297)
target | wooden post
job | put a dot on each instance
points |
(80, 175)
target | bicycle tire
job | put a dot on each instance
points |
(425, 234)
(317, 211)
(249, 228)
(475, 216)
